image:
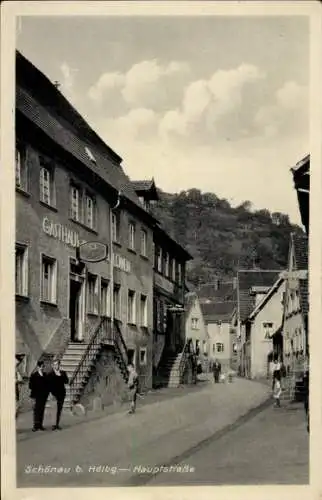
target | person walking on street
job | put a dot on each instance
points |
(277, 390)
(39, 391)
(276, 370)
(133, 385)
(216, 368)
(57, 381)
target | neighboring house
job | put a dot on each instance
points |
(252, 286)
(169, 270)
(296, 305)
(195, 326)
(218, 317)
(265, 320)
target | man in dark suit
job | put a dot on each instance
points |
(39, 391)
(57, 381)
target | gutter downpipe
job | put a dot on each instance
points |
(112, 208)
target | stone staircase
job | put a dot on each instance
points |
(79, 359)
(169, 371)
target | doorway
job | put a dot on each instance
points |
(75, 309)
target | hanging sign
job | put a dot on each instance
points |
(92, 251)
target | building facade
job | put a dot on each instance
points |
(296, 306)
(195, 326)
(71, 189)
(219, 320)
(252, 286)
(263, 322)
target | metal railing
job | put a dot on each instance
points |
(102, 332)
(121, 348)
(183, 360)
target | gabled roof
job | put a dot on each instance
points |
(266, 298)
(218, 291)
(51, 119)
(251, 278)
(146, 188)
(300, 246)
(164, 239)
(218, 311)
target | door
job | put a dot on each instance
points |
(75, 310)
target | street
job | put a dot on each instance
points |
(220, 434)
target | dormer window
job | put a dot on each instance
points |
(90, 154)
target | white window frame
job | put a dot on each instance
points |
(90, 211)
(75, 203)
(131, 235)
(173, 270)
(266, 329)
(159, 260)
(117, 303)
(179, 273)
(167, 265)
(115, 226)
(105, 305)
(131, 308)
(91, 300)
(23, 289)
(53, 284)
(21, 167)
(46, 186)
(143, 241)
(145, 361)
(144, 316)
(194, 323)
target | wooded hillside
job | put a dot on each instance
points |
(222, 238)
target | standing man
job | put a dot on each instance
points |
(19, 383)
(39, 391)
(216, 368)
(57, 381)
(133, 385)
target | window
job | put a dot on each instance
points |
(179, 273)
(219, 347)
(159, 259)
(21, 270)
(90, 211)
(46, 186)
(234, 348)
(115, 226)
(143, 242)
(21, 168)
(75, 204)
(194, 323)
(173, 271)
(92, 294)
(131, 307)
(131, 236)
(105, 298)
(143, 311)
(167, 265)
(48, 279)
(143, 356)
(117, 301)
(268, 330)
(90, 154)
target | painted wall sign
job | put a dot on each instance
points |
(61, 233)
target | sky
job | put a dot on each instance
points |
(214, 103)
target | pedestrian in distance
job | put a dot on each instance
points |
(39, 392)
(57, 380)
(277, 390)
(276, 370)
(133, 385)
(216, 369)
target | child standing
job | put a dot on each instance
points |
(277, 390)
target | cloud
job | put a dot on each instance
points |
(205, 102)
(145, 84)
(287, 114)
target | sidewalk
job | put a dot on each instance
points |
(24, 421)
